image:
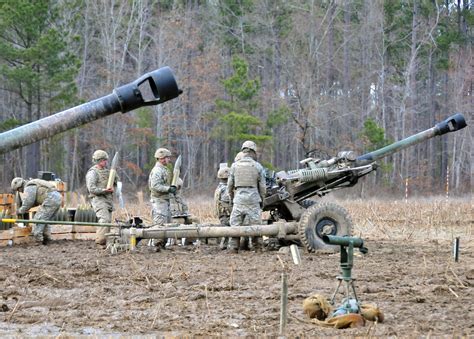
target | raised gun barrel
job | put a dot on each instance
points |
(289, 189)
(451, 124)
(162, 86)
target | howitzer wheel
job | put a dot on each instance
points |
(323, 219)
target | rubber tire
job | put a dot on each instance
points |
(323, 212)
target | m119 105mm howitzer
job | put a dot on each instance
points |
(152, 88)
(289, 191)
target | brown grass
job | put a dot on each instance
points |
(430, 219)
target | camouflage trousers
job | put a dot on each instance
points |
(47, 211)
(103, 212)
(243, 215)
(161, 215)
(225, 221)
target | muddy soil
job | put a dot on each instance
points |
(73, 288)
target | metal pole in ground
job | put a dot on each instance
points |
(284, 303)
(456, 249)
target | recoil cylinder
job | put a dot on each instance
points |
(310, 175)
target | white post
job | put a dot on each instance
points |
(447, 183)
(406, 190)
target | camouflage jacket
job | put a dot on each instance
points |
(246, 184)
(96, 181)
(36, 191)
(222, 200)
(159, 182)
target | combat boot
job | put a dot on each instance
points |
(254, 244)
(223, 244)
(232, 250)
(244, 244)
(233, 245)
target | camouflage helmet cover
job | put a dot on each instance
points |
(100, 155)
(249, 145)
(223, 173)
(161, 153)
(17, 183)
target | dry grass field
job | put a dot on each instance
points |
(72, 288)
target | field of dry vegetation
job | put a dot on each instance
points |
(73, 288)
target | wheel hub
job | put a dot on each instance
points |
(326, 226)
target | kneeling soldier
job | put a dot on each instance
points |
(38, 192)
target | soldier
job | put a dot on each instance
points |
(100, 196)
(160, 190)
(38, 192)
(247, 188)
(222, 201)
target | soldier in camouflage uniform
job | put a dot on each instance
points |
(159, 183)
(100, 197)
(222, 201)
(38, 192)
(246, 186)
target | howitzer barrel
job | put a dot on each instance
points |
(214, 231)
(162, 86)
(451, 124)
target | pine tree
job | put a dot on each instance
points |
(235, 116)
(35, 63)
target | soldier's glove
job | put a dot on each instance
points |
(172, 189)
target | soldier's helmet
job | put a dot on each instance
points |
(17, 183)
(249, 145)
(161, 153)
(100, 155)
(239, 156)
(223, 173)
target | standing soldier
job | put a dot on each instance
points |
(38, 192)
(160, 186)
(222, 200)
(100, 196)
(247, 188)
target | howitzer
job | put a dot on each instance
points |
(288, 192)
(161, 88)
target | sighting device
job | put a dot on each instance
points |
(347, 258)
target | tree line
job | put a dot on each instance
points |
(301, 78)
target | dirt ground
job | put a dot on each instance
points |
(73, 288)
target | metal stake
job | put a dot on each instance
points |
(284, 303)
